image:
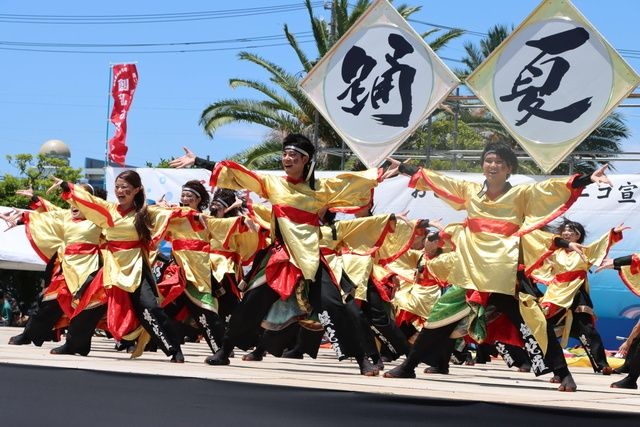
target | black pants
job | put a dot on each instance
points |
(326, 301)
(376, 311)
(434, 346)
(39, 327)
(583, 330)
(82, 327)
(554, 356)
(210, 325)
(228, 301)
(152, 317)
(634, 365)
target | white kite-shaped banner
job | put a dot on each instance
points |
(552, 82)
(378, 83)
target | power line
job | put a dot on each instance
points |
(152, 18)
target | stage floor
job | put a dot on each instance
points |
(490, 383)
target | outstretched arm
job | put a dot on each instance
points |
(184, 161)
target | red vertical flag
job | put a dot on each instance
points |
(125, 80)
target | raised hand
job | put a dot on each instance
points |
(163, 202)
(392, 170)
(27, 193)
(620, 228)
(11, 218)
(56, 184)
(607, 264)
(184, 161)
(599, 177)
(436, 223)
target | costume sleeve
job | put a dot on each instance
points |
(93, 208)
(630, 274)
(232, 175)
(365, 234)
(39, 204)
(537, 246)
(162, 216)
(547, 200)
(222, 229)
(45, 231)
(348, 192)
(454, 192)
(598, 250)
(261, 214)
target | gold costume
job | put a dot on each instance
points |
(75, 240)
(295, 207)
(487, 247)
(124, 254)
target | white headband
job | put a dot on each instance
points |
(298, 149)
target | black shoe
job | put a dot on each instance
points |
(254, 356)
(20, 339)
(625, 383)
(435, 370)
(218, 359)
(177, 357)
(624, 369)
(63, 349)
(292, 354)
(400, 372)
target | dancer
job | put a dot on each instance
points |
(567, 299)
(69, 244)
(132, 231)
(484, 265)
(629, 270)
(294, 257)
(190, 243)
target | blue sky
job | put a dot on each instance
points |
(52, 90)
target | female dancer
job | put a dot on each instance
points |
(69, 244)
(132, 231)
(567, 298)
(484, 265)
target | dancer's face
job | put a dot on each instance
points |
(125, 193)
(76, 214)
(570, 234)
(187, 198)
(293, 163)
(495, 169)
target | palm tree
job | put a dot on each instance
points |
(284, 107)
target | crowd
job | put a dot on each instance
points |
(280, 277)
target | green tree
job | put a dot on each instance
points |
(284, 108)
(35, 172)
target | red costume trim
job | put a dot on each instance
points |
(441, 193)
(296, 215)
(495, 226)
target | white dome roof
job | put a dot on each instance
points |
(55, 148)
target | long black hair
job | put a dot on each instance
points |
(574, 226)
(143, 219)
